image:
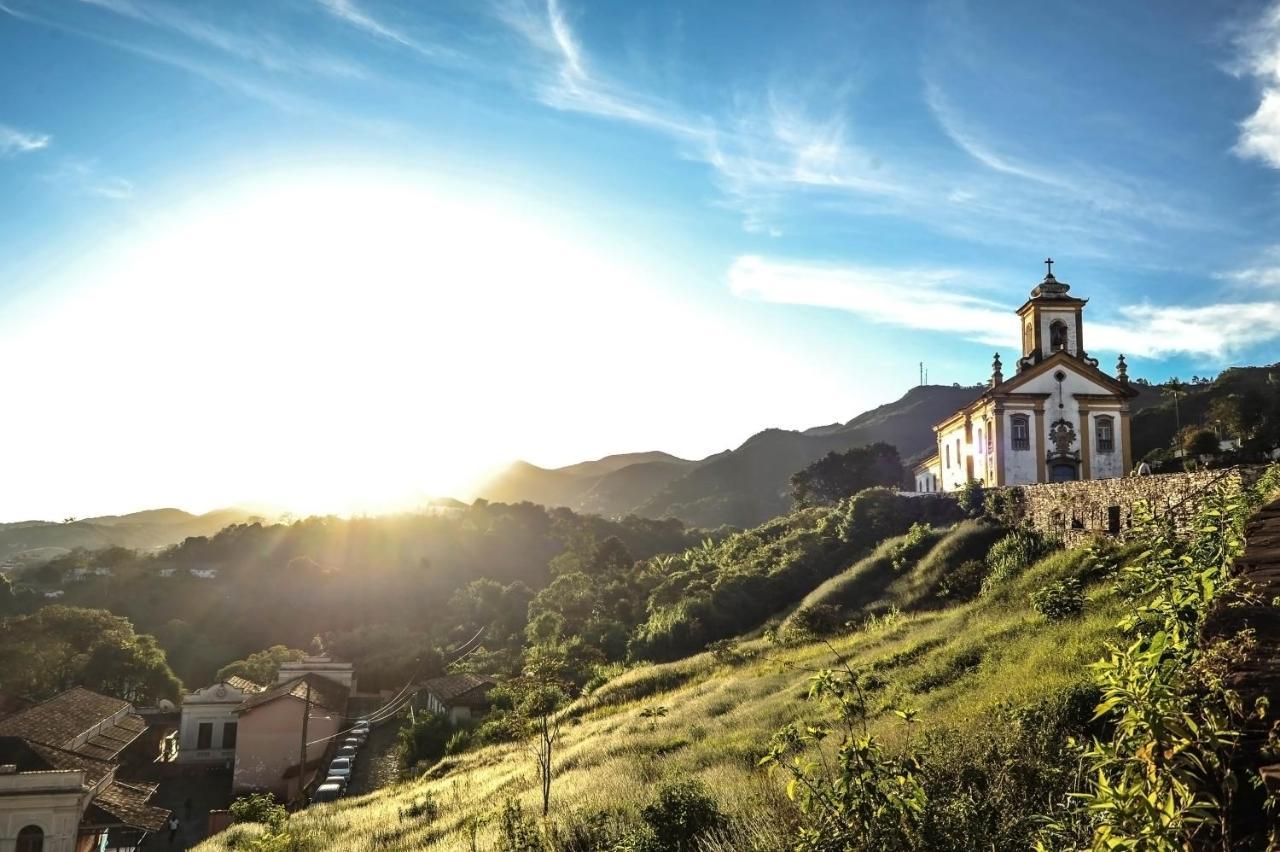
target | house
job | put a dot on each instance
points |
(458, 696)
(60, 789)
(335, 670)
(274, 725)
(207, 732)
(1059, 418)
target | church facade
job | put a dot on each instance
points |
(1058, 418)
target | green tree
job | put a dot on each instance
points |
(261, 666)
(836, 476)
(59, 647)
(1199, 442)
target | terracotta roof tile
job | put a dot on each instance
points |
(58, 721)
(244, 684)
(128, 804)
(323, 692)
(452, 688)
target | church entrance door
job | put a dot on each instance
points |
(1061, 472)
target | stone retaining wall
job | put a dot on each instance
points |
(1074, 511)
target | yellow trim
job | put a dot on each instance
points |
(999, 445)
(1127, 449)
(1041, 445)
(1086, 465)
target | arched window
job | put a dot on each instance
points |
(1104, 425)
(1021, 431)
(31, 839)
(1057, 335)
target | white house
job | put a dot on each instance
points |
(327, 667)
(209, 727)
(1058, 418)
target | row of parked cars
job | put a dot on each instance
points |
(339, 775)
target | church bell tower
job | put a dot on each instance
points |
(1052, 322)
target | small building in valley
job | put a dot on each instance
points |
(209, 727)
(60, 784)
(458, 696)
(1059, 418)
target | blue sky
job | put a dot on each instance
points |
(762, 215)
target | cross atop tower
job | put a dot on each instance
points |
(1048, 262)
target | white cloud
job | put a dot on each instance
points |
(1259, 48)
(356, 16)
(932, 299)
(84, 177)
(14, 141)
(260, 47)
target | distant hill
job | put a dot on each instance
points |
(743, 486)
(140, 531)
(1155, 421)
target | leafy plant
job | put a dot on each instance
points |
(1013, 554)
(864, 800)
(260, 808)
(683, 811)
(1059, 600)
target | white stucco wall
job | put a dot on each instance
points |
(1021, 467)
(954, 471)
(54, 801)
(1106, 465)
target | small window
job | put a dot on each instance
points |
(31, 839)
(1105, 427)
(947, 450)
(229, 735)
(204, 737)
(1021, 428)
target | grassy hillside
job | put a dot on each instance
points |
(974, 669)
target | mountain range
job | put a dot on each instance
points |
(146, 530)
(741, 487)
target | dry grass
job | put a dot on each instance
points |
(955, 665)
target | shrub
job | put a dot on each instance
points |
(1059, 600)
(683, 811)
(425, 809)
(425, 740)
(459, 742)
(1013, 554)
(516, 830)
(964, 582)
(815, 620)
(912, 545)
(970, 499)
(261, 808)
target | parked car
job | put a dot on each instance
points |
(327, 793)
(348, 751)
(361, 726)
(356, 739)
(340, 766)
(340, 780)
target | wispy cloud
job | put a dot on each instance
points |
(260, 47)
(352, 13)
(85, 177)
(14, 141)
(1259, 57)
(934, 299)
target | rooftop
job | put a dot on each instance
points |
(63, 719)
(452, 687)
(322, 692)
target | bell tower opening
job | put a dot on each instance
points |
(1051, 321)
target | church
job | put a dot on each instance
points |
(1058, 418)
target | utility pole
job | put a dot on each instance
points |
(302, 757)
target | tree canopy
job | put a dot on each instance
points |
(836, 476)
(59, 647)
